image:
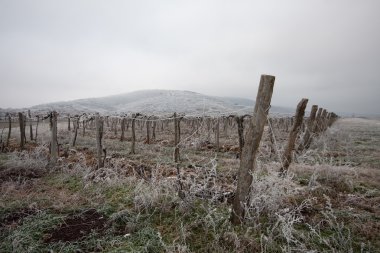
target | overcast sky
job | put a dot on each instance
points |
(325, 50)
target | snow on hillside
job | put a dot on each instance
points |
(157, 102)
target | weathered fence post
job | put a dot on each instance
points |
(154, 129)
(37, 122)
(287, 155)
(83, 127)
(133, 134)
(305, 144)
(76, 126)
(147, 123)
(30, 125)
(68, 123)
(21, 120)
(273, 148)
(252, 142)
(99, 137)
(9, 129)
(323, 121)
(176, 138)
(240, 126)
(122, 129)
(217, 135)
(54, 140)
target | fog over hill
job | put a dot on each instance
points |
(157, 102)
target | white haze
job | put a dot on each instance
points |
(61, 50)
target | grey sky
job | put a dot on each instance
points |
(326, 50)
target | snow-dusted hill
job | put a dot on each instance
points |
(157, 102)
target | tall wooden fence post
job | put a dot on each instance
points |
(9, 129)
(147, 123)
(176, 139)
(54, 140)
(122, 129)
(37, 122)
(99, 137)
(21, 120)
(307, 138)
(30, 125)
(287, 155)
(252, 142)
(68, 123)
(133, 133)
(217, 134)
(76, 126)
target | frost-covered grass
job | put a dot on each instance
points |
(321, 206)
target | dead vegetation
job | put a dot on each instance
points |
(328, 201)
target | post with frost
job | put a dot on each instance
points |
(217, 144)
(176, 138)
(99, 137)
(54, 140)
(21, 120)
(122, 129)
(30, 125)
(252, 140)
(133, 133)
(76, 126)
(306, 141)
(9, 129)
(287, 155)
(68, 123)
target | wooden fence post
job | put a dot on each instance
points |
(9, 129)
(122, 129)
(83, 127)
(305, 144)
(297, 122)
(68, 123)
(147, 123)
(317, 120)
(217, 135)
(273, 148)
(37, 122)
(21, 120)
(133, 134)
(30, 125)
(76, 126)
(99, 137)
(154, 129)
(252, 142)
(176, 139)
(54, 140)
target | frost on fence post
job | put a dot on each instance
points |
(9, 129)
(317, 120)
(68, 123)
(133, 123)
(306, 141)
(176, 138)
(99, 137)
(37, 122)
(76, 126)
(30, 125)
(252, 142)
(217, 134)
(53, 140)
(323, 121)
(147, 123)
(122, 129)
(287, 155)
(21, 120)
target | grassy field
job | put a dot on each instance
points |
(329, 202)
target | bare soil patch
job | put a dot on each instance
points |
(77, 226)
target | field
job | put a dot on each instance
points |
(328, 202)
